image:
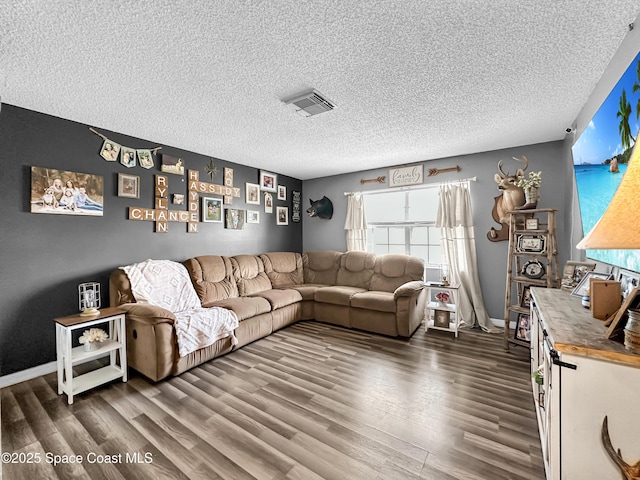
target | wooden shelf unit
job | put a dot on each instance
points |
(518, 257)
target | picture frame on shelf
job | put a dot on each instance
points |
(531, 224)
(282, 192)
(268, 181)
(128, 185)
(252, 193)
(525, 297)
(441, 318)
(531, 243)
(523, 327)
(573, 273)
(211, 209)
(282, 215)
(583, 287)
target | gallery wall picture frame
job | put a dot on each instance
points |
(282, 215)
(268, 203)
(295, 203)
(172, 164)
(252, 193)
(128, 185)
(234, 218)
(282, 192)
(211, 209)
(110, 150)
(253, 216)
(63, 192)
(583, 287)
(178, 199)
(268, 181)
(128, 157)
(145, 158)
(405, 176)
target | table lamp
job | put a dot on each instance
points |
(89, 298)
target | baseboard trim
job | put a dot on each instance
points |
(28, 374)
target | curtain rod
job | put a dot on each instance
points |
(413, 187)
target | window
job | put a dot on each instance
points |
(403, 221)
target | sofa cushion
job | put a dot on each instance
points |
(212, 278)
(249, 274)
(283, 268)
(374, 300)
(279, 298)
(356, 269)
(392, 270)
(308, 290)
(245, 307)
(337, 295)
(321, 267)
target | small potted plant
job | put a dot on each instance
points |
(531, 188)
(90, 338)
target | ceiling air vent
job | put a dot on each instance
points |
(310, 103)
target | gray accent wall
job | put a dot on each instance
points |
(44, 257)
(550, 158)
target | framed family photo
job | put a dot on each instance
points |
(282, 215)
(211, 209)
(441, 318)
(523, 328)
(128, 185)
(268, 181)
(282, 192)
(585, 283)
(252, 194)
(253, 216)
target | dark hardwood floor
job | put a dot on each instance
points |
(308, 402)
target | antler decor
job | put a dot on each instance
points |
(373, 180)
(629, 472)
(435, 171)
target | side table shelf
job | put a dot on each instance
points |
(439, 315)
(68, 356)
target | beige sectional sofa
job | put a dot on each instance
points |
(382, 294)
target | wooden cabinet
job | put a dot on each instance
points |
(442, 315)
(532, 261)
(586, 378)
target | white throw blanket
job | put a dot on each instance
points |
(167, 284)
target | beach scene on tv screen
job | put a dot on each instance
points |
(601, 155)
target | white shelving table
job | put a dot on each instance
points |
(68, 355)
(448, 309)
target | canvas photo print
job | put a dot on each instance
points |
(66, 193)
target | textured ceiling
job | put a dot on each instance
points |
(413, 80)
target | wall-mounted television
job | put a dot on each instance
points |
(600, 157)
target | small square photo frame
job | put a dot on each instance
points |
(583, 287)
(282, 192)
(282, 215)
(128, 185)
(252, 193)
(441, 318)
(531, 224)
(178, 199)
(253, 216)
(268, 181)
(211, 209)
(523, 327)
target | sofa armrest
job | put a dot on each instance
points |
(148, 314)
(408, 289)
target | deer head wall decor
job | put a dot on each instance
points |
(511, 198)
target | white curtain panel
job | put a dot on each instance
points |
(455, 219)
(356, 224)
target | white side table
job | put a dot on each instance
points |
(442, 316)
(68, 356)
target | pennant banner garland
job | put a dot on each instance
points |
(129, 157)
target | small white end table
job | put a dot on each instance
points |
(442, 316)
(68, 356)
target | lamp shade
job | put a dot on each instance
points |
(619, 227)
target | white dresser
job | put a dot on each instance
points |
(586, 378)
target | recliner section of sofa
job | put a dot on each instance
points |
(382, 294)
